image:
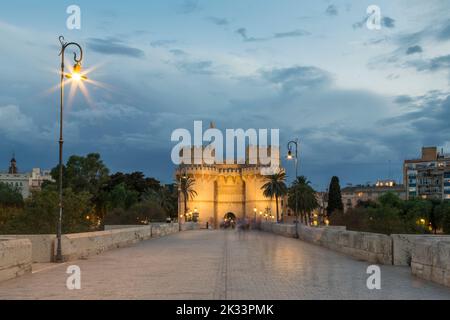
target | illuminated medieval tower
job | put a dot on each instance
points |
(226, 191)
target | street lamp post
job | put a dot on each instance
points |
(291, 156)
(182, 177)
(75, 75)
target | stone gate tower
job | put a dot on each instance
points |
(226, 190)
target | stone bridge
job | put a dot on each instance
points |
(206, 264)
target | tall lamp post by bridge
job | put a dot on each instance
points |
(294, 156)
(182, 176)
(74, 75)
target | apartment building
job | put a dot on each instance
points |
(429, 176)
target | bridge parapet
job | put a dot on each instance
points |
(15, 258)
(371, 247)
(431, 261)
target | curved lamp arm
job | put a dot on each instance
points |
(295, 143)
(65, 45)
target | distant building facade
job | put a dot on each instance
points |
(352, 196)
(24, 182)
(429, 176)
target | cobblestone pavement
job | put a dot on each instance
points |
(221, 265)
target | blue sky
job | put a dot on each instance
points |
(357, 98)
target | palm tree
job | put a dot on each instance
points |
(186, 188)
(302, 192)
(275, 187)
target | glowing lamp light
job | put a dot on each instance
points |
(76, 73)
(289, 155)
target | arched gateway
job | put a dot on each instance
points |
(230, 216)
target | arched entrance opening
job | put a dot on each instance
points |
(229, 220)
(230, 216)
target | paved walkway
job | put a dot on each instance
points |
(221, 265)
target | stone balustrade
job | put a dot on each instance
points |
(190, 226)
(82, 245)
(42, 246)
(431, 260)
(404, 245)
(371, 247)
(15, 258)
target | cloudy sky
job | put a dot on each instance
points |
(358, 99)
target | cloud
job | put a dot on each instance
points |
(162, 43)
(279, 35)
(434, 64)
(197, 67)
(444, 32)
(414, 49)
(218, 21)
(436, 31)
(403, 99)
(178, 52)
(105, 111)
(332, 10)
(113, 46)
(388, 22)
(245, 37)
(189, 6)
(298, 77)
(428, 122)
(15, 124)
(289, 34)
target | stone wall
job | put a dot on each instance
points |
(285, 230)
(42, 246)
(191, 226)
(83, 245)
(371, 247)
(115, 227)
(431, 261)
(15, 258)
(404, 244)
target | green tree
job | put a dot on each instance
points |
(40, 214)
(121, 197)
(356, 219)
(442, 215)
(385, 219)
(416, 214)
(275, 187)
(446, 219)
(84, 174)
(334, 197)
(10, 196)
(305, 196)
(135, 181)
(391, 199)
